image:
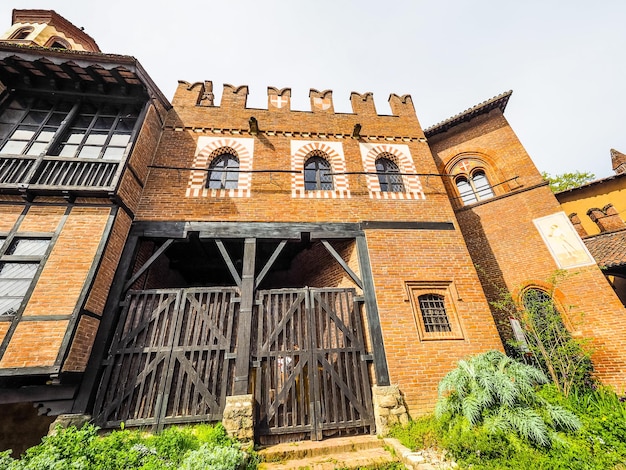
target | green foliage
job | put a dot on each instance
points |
(499, 394)
(213, 458)
(600, 443)
(564, 181)
(202, 446)
(547, 343)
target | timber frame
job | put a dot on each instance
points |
(247, 282)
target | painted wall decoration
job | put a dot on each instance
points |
(300, 149)
(566, 247)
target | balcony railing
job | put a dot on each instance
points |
(50, 174)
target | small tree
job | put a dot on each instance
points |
(564, 181)
(545, 340)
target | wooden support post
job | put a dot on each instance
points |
(371, 310)
(244, 328)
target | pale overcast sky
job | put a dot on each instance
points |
(564, 61)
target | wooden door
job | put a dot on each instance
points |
(171, 359)
(310, 375)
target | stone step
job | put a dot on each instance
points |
(343, 452)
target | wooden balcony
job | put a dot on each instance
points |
(53, 175)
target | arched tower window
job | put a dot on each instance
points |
(317, 174)
(223, 172)
(58, 43)
(474, 188)
(22, 33)
(389, 176)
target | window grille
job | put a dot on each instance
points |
(433, 309)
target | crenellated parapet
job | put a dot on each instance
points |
(279, 99)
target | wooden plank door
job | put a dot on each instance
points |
(171, 359)
(310, 379)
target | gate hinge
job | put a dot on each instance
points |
(235, 300)
(230, 356)
(124, 303)
(256, 363)
(359, 298)
(367, 357)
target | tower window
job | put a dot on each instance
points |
(223, 172)
(475, 188)
(317, 174)
(388, 176)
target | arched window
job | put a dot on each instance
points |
(22, 33)
(317, 174)
(222, 172)
(433, 310)
(388, 176)
(475, 188)
(58, 43)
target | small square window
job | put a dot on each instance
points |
(434, 309)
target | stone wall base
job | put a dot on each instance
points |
(239, 417)
(389, 408)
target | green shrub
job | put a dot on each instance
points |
(499, 394)
(209, 457)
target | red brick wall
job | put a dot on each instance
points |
(510, 253)
(397, 256)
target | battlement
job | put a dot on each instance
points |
(279, 100)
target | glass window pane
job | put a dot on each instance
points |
(45, 135)
(35, 117)
(9, 306)
(68, 151)
(5, 130)
(14, 147)
(120, 140)
(482, 186)
(104, 123)
(96, 139)
(23, 134)
(465, 191)
(37, 148)
(83, 122)
(18, 270)
(14, 287)
(28, 247)
(56, 119)
(12, 115)
(89, 152)
(126, 124)
(114, 153)
(75, 137)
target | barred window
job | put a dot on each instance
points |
(223, 172)
(18, 267)
(388, 176)
(317, 174)
(433, 309)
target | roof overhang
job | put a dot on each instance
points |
(497, 102)
(33, 67)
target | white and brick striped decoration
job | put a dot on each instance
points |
(300, 149)
(401, 156)
(208, 148)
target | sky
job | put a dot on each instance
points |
(564, 61)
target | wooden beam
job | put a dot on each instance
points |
(148, 263)
(343, 264)
(228, 261)
(244, 327)
(371, 310)
(270, 263)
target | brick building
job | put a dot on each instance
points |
(169, 257)
(596, 210)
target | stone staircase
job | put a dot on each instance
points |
(356, 452)
(343, 452)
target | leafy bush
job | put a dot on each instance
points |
(500, 394)
(202, 446)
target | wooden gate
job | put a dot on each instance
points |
(171, 359)
(309, 361)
